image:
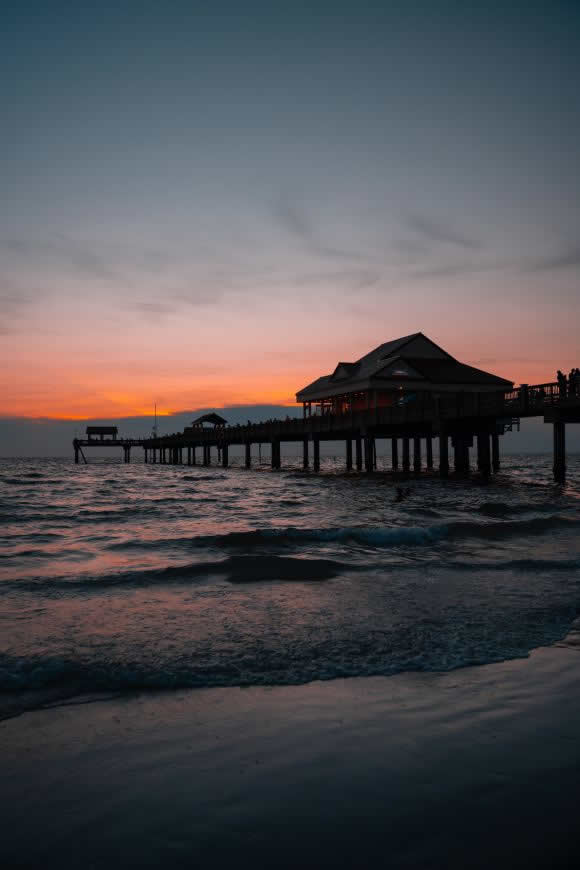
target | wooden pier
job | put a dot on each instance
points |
(459, 420)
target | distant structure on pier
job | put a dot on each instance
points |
(390, 373)
(211, 419)
(102, 432)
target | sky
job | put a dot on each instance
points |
(204, 208)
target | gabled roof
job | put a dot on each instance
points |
(408, 359)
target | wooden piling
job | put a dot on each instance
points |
(394, 454)
(416, 454)
(559, 452)
(443, 454)
(495, 452)
(429, 446)
(349, 454)
(358, 453)
(483, 454)
(406, 455)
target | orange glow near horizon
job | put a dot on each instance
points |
(97, 401)
(73, 366)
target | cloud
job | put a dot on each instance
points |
(441, 233)
(68, 252)
(296, 222)
(567, 259)
(12, 307)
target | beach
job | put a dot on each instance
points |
(207, 668)
(473, 768)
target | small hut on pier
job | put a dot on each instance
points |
(212, 419)
(102, 433)
(394, 373)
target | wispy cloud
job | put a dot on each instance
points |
(66, 252)
(295, 221)
(569, 258)
(436, 230)
(12, 309)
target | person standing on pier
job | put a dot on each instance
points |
(561, 378)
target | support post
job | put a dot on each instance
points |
(193, 456)
(495, 451)
(145, 457)
(275, 454)
(369, 452)
(461, 454)
(443, 454)
(358, 452)
(429, 445)
(225, 456)
(559, 452)
(305, 454)
(248, 462)
(316, 452)
(348, 454)
(206, 456)
(394, 454)
(76, 454)
(416, 454)
(406, 455)
(483, 454)
(189, 455)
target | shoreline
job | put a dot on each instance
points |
(473, 767)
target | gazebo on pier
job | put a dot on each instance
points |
(395, 373)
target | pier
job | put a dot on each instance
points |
(408, 391)
(458, 422)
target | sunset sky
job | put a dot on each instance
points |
(205, 209)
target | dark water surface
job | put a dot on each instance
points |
(115, 577)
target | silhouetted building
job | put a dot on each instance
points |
(102, 432)
(395, 372)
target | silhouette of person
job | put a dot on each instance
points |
(561, 378)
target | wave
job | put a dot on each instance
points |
(235, 569)
(385, 537)
(427, 646)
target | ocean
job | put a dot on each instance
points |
(116, 578)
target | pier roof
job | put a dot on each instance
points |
(412, 361)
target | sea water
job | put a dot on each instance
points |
(120, 577)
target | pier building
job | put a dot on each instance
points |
(394, 373)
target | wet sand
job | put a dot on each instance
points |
(478, 767)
